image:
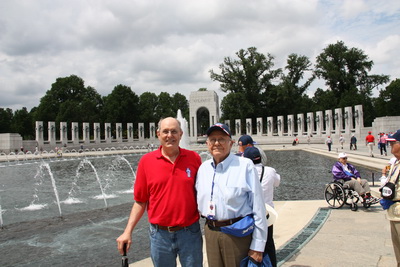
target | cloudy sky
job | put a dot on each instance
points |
(170, 45)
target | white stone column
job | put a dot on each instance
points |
(39, 133)
(228, 123)
(358, 118)
(280, 125)
(270, 126)
(51, 129)
(129, 129)
(290, 125)
(319, 122)
(118, 132)
(260, 126)
(328, 122)
(238, 128)
(86, 132)
(348, 120)
(338, 121)
(141, 131)
(96, 132)
(310, 123)
(300, 124)
(249, 127)
(63, 133)
(107, 132)
(152, 129)
(75, 133)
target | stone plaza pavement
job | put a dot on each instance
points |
(309, 233)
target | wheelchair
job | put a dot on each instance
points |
(337, 194)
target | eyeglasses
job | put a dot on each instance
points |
(166, 132)
(220, 141)
(344, 158)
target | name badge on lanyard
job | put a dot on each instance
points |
(211, 211)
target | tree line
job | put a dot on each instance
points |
(254, 89)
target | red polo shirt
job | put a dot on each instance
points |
(169, 188)
(370, 138)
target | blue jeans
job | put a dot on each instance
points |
(166, 246)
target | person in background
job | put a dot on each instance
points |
(347, 174)
(382, 143)
(370, 142)
(385, 171)
(246, 141)
(353, 142)
(165, 188)
(329, 142)
(341, 140)
(269, 179)
(228, 189)
(393, 212)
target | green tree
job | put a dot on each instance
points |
(252, 75)
(68, 100)
(164, 108)
(148, 103)
(122, 105)
(179, 101)
(291, 96)
(23, 124)
(6, 116)
(387, 103)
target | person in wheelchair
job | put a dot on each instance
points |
(346, 173)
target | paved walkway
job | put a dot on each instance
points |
(308, 233)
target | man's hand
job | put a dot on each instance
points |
(123, 239)
(256, 255)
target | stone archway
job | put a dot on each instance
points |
(204, 112)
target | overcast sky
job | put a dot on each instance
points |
(170, 45)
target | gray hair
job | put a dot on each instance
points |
(160, 121)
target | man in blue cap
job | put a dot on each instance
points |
(228, 189)
(393, 212)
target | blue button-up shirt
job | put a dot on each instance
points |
(237, 192)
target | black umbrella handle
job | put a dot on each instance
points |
(124, 249)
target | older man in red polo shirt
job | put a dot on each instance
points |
(165, 187)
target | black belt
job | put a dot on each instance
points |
(215, 223)
(170, 229)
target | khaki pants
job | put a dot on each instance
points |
(225, 250)
(395, 231)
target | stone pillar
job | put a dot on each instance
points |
(238, 128)
(260, 126)
(290, 125)
(249, 127)
(358, 118)
(310, 123)
(348, 120)
(280, 125)
(338, 121)
(107, 132)
(129, 129)
(86, 132)
(319, 122)
(39, 132)
(300, 124)
(152, 128)
(141, 131)
(328, 122)
(75, 133)
(118, 132)
(63, 133)
(270, 126)
(96, 133)
(51, 129)
(228, 123)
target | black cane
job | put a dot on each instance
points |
(124, 257)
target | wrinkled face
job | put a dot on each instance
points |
(219, 144)
(169, 133)
(395, 149)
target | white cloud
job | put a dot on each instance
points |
(171, 45)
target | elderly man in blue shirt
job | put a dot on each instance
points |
(228, 189)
